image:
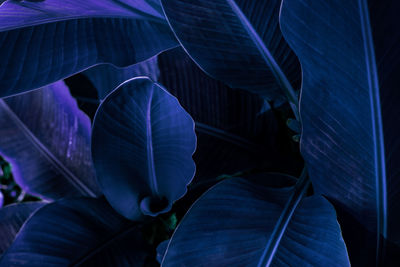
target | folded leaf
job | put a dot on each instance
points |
(142, 146)
(349, 104)
(46, 138)
(106, 77)
(12, 217)
(238, 42)
(42, 42)
(76, 232)
(231, 224)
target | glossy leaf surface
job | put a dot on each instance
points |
(76, 232)
(349, 104)
(42, 42)
(231, 224)
(12, 217)
(238, 42)
(46, 138)
(142, 147)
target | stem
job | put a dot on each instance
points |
(299, 190)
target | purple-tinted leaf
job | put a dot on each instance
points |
(43, 42)
(77, 232)
(46, 138)
(1, 199)
(231, 224)
(12, 217)
(350, 107)
(238, 42)
(142, 146)
(106, 77)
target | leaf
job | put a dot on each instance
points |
(43, 42)
(142, 147)
(161, 249)
(46, 138)
(12, 217)
(231, 134)
(76, 232)
(106, 77)
(231, 224)
(1, 199)
(238, 42)
(349, 105)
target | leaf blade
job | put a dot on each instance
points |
(236, 40)
(225, 227)
(155, 132)
(47, 140)
(80, 230)
(77, 36)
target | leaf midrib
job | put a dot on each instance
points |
(376, 121)
(46, 153)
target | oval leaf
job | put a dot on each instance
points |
(43, 42)
(238, 42)
(77, 232)
(46, 138)
(142, 147)
(349, 105)
(231, 224)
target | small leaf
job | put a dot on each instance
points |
(142, 147)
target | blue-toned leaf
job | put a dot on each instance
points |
(232, 134)
(349, 104)
(76, 232)
(106, 77)
(142, 146)
(161, 249)
(42, 42)
(46, 138)
(238, 42)
(12, 217)
(231, 224)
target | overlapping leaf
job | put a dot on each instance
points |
(46, 138)
(106, 77)
(231, 224)
(142, 147)
(233, 134)
(76, 232)
(238, 42)
(42, 42)
(12, 217)
(349, 104)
